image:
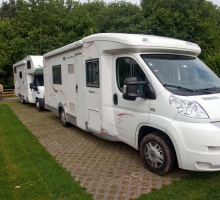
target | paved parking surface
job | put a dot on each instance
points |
(108, 170)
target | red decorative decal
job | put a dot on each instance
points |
(90, 44)
(46, 59)
(53, 87)
(63, 93)
(125, 114)
(121, 115)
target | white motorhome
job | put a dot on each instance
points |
(150, 92)
(29, 82)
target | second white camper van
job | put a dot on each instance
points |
(150, 92)
(29, 81)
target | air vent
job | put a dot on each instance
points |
(70, 68)
(72, 107)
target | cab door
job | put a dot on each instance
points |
(128, 114)
(34, 90)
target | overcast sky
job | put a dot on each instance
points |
(132, 1)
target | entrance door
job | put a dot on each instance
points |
(128, 114)
(80, 91)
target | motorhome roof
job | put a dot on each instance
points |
(22, 62)
(133, 42)
(133, 39)
(29, 57)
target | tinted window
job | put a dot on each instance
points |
(57, 78)
(92, 73)
(128, 67)
(29, 64)
(181, 71)
(20, 74)
(38, 80)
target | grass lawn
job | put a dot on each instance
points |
(27, 170)
(197, 186)
(25, 163)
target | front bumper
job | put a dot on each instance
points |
(197, 145)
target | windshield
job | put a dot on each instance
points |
(182, 72)
(38, 80)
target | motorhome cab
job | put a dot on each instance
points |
(29, 81)
(150, 92)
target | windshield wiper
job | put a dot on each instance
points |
(180, 88)
(212, 88)
(209, 90)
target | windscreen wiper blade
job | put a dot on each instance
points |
(210, 90)
(180, 88)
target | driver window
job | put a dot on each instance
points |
(128, 67)
(34, 82)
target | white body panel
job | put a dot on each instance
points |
(25, 71)
(103, 111)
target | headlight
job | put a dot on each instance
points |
(188, 108)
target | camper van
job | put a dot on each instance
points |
(152, 93)
(29, 82)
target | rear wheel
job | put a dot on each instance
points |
(63, 118)
(38, 105)
(157, 153)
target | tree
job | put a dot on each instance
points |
(8, 9)
(192, 20)
(121, 17)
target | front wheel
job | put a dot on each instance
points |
(22, 100)
(157, 153)
(39, 106)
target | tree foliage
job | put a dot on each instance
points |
(121, 17)
(39, 26)
(192, 20)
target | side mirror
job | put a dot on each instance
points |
(129, 89)
(33, 87)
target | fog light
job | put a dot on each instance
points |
(203, 165)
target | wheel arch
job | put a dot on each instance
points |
(61, 107)
(145, 130)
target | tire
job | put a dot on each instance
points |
(157, 153)
(38, 105)
(63, 118)
(23, 101)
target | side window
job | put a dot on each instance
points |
(38, 80)
(128, 67)
(57, 77)
(92, 73)
(123, 71)
(34, 82)
(15, 70)
(20, 75)
(29, 64)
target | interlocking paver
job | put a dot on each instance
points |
(108, 170)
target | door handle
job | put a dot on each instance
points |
(115, 99)
(76, 88)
